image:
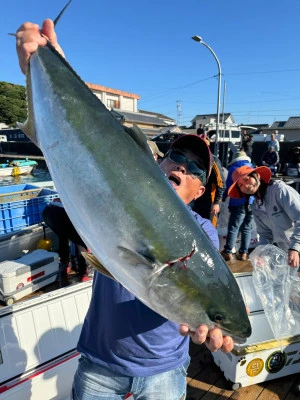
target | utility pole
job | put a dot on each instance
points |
(179, 113)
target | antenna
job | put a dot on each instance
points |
(179, 113)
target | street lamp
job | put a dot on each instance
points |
(199, 39)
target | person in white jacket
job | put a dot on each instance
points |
(276, 208)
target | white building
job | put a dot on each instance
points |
(114, 98)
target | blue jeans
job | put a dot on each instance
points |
(93, 382)
(240, 219)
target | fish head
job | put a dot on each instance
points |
(200, 289)
(233, 321)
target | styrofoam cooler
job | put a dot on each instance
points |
(262, 357)
(27, 274)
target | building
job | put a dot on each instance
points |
(206, 119)
(290, 128)
(123, 106)
(114, 98)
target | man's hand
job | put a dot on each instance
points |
(30, 37)
(215, 209)
(213, 339)
(293, 258)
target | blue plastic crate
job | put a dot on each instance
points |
(22, 206)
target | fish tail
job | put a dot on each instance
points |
(61, 13)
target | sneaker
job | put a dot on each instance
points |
(85, 278)
(227, 256)
(242, 256)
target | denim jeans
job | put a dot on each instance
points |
(93, 382)
(240, 219)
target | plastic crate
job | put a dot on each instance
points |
(22, 206)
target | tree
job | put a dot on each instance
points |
(13, 106)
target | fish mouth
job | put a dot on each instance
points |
(238, 338)
(174, 180)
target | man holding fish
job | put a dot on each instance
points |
(126, 347)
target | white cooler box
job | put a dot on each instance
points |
(262, 357)
(27, 274)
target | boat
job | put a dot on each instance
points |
(40, 331)
(17, 167)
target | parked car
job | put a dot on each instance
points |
(164, 140)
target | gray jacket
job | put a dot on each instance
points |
(278, 219)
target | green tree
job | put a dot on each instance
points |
(12, 103)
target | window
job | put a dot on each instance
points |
(111, 103)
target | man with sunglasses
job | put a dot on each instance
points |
(127, 349)
(187, 165)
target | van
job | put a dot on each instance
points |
(227, 133)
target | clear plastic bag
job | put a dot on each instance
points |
(278, 286)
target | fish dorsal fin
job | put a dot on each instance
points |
(140, 139)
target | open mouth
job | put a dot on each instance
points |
(174, 180)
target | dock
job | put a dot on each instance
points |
(206, 381)
(20, 156)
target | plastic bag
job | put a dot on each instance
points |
(278, 286)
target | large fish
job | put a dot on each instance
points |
(123, 206)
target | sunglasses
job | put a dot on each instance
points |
(193, 167)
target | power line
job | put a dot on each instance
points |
(163, 93)
(263, 72)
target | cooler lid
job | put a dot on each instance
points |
(249, 294)
(29, 262)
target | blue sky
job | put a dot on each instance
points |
(145, 47)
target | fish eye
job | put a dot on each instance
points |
(218, 317)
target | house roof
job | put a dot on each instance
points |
(171, 128)
(278, 124)
(162, 116)
(140, 117)
(204, 116)
(106, 89)
(292, 122)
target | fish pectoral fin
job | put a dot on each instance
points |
(92, 260)
(140, 138)
(136, 258)
(28, 126)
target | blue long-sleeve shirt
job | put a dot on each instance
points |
(127, 337)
